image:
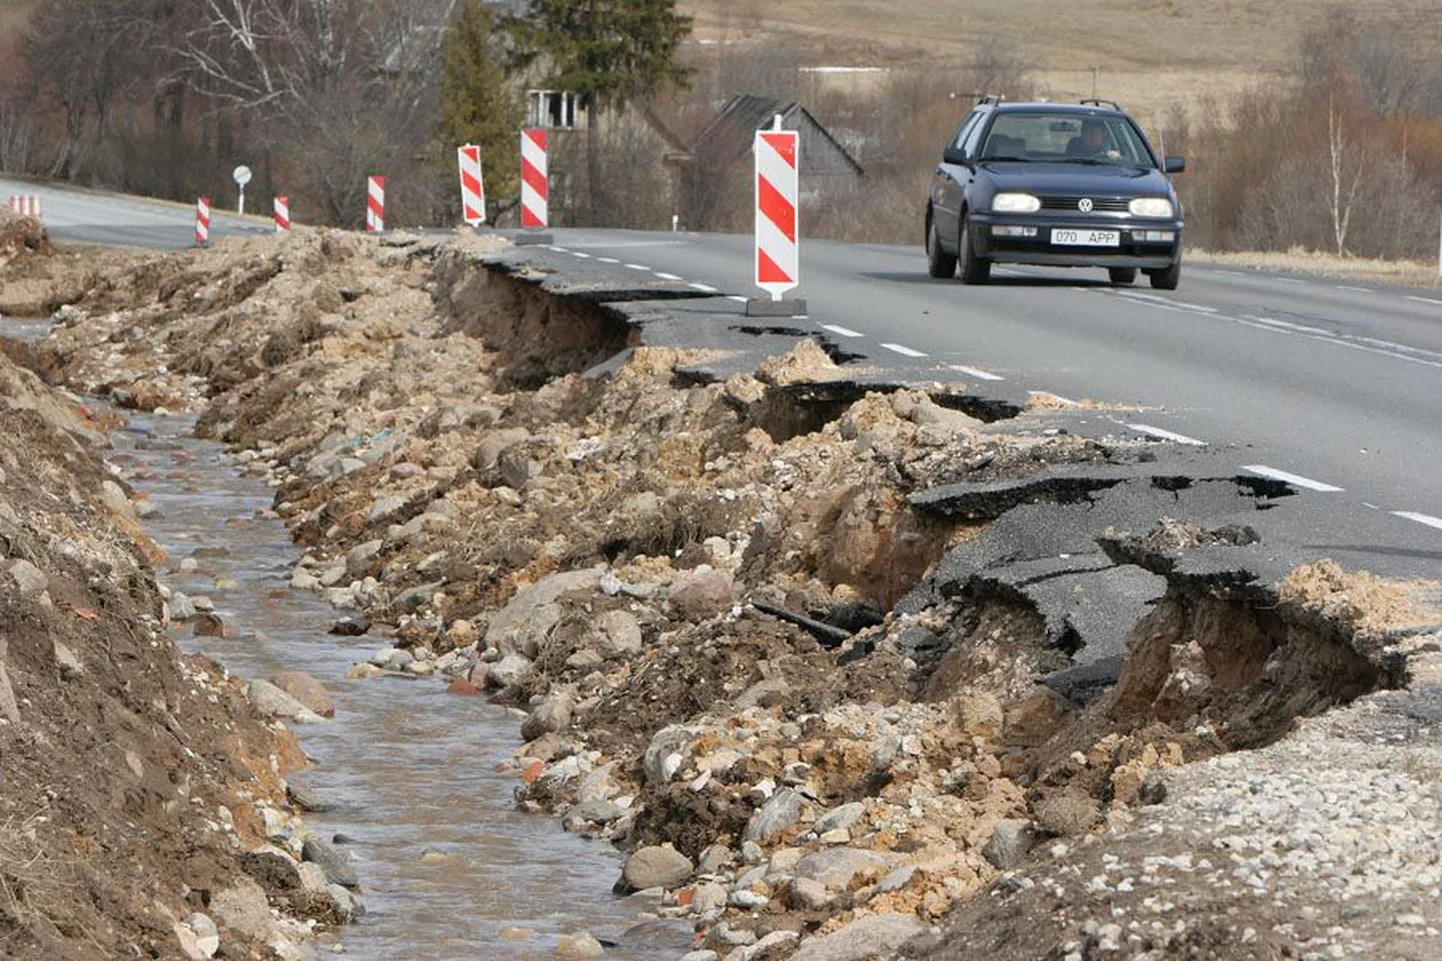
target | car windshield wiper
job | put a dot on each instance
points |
(1089, 161)
(1005, 160)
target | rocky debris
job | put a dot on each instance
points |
(335, 866)
(272, 702)
(853, 656)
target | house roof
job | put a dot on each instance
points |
(731, 132)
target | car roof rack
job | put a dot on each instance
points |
(1096, 101)
(989, 98)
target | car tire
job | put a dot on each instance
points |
(1167, 278)
(1122, 276)
(939, 263)
(974, 269)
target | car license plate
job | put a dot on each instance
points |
(1086, 238)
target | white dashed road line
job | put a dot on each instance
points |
(704, 288)
(1288, 280)
(638, 267)
(1162, 434)
(577, 253)
(738, 298)
(974, 372)
(903, 351)
(1167, 301)
(559, 250)
(1355, 290)
(1296, 480)
(1425, 300)
(607, 260)
(841, 331)
(1427, 519)
(667, 276)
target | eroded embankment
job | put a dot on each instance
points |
(133, 781)
(765, 639)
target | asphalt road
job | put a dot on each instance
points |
(1334, 385)
(92, 217)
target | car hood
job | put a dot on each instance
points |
(1045, 178)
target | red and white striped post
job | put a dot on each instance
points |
(26, 205)
(778, 258)
(473, 185)
(202, 222)
(282, 214)
(535, 184)
(376, 205)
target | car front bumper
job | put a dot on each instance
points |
(1133, 251)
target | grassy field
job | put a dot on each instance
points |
(1147, 53)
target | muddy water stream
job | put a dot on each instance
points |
(446, 861)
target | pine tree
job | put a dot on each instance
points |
(608, 52)
(477, 104)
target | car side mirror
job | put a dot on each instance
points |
(1174, 165)
(955, 155)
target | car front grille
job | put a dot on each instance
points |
(1100, 205)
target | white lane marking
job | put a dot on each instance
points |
(903, 351)
(1230, 273)
(1158, 432)
(559, 250)
(1155, 299)
(841, 331)
(738, 298)
(1370, 345)
(1355, 290)
(577, 253)
(1064, 401)
(1287, 280)
(607, 260)
(667, 276)
(1424, 300)
(1427, 519)
(704, 288)
(974, 372)
(1295, 480)
(638, 267)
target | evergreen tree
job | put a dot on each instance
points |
(477, 104)
(607, 52)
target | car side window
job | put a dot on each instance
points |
(966, 128)
(971, 142)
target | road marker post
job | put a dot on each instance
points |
(282, 215)
(376, 205)
(26, 205)
(202, 222)
(778, 189)
(535, 188)
(473, 185)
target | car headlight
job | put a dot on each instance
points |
(1015, 204)
(1151, 207)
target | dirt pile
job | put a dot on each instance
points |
(135, 780)
(692, 587)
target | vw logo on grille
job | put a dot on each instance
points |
(1084, 205)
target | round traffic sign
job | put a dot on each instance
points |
(242, 175)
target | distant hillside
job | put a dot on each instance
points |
(1149, 53)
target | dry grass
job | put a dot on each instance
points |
(1149, 54)
(14, 14)
(1410, 273)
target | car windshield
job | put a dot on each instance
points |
(1065, 138)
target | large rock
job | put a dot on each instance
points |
(29, 578)
(509, 670)
(835, 867)
(270, 701)
(656, 867)
(305, 689)
(776, 816)
(842, 817)
(529, 616)
(360, 556)
(865, 939)
(702, 593)
(666, 752)
(615, 634)
(242, 908)
(330, 861)
(552, 715)
(1009, 844)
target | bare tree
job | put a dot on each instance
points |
(1346, 172)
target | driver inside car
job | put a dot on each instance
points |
(1092, 142)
